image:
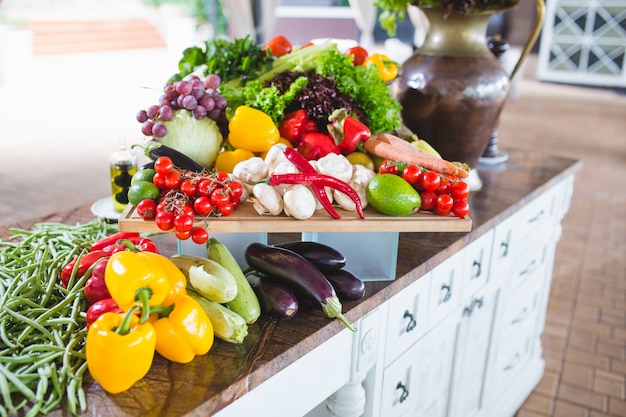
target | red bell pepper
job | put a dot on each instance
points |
(295, 125)
(95, 287)
(137, 244)
(99, 308)
(84, 263)
(315, 145)
(348, 131)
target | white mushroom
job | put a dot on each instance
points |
(329, 190)
(345, 202)
(266, 200)
(285, 167)
(335, 165)
(362, 174)
(251, 170)
(275, 156)
(299, 202)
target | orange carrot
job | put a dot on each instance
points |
(391, 147)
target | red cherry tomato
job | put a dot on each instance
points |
(164, 220)
(226, 209)
(388, 167)
(206, 187)
(428, 200)
(220, 198)
(443, 205)
(159, 180)
(163, 165)
(411, 174)
(430, 181)
(147, 209)
(444, 187)
(172, 180)
(359, 55)
(460, 208)
(203, 206)
(236, 190)
(183, 234)
(199, 235)
(183, 222)
(459, 190)
(189, 187)
(278, 46)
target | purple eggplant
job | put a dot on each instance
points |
(277, 300)
(347, 285)
(322, 256)
(299, 274)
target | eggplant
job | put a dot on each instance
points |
(347, 285)
(299, 274)
(277, 300)
(154, 150)
(322, 256)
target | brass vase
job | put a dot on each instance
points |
(453, 88)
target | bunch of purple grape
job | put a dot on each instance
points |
(200, 96)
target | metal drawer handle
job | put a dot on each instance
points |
(447, 293)
(412, 322)
(405, 392)
(477, 265)
(476, 302)
(530, 268)
(537, 217)
(522, 316)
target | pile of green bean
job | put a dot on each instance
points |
(42, 324)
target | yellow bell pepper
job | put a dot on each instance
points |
(177, 280)
(119, 350)
(387, 69)
(227, 159)
(252, 129)
(183, 331)
(132, 277)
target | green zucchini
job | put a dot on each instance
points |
(227, 325)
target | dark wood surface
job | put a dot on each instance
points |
(228, 371)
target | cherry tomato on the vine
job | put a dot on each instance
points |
(189, 187)
(164, 220)
(183, 234)
(443, 204)
(163, 165)
(203, 206)
(411, 174)
(444, 187)
(199, 235)
(183, 222)
(172, 180)
(236, 190)
(428, 200)
(388, 167)
(460, 208)
(159, 180)
(226, 209)
(147, 209)
(459, 190)
(430, 181)
(206, 187)
(220, 197)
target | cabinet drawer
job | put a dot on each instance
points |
(404, 383)
(407, 318)
(476, 265)
(445, 288)
(530, 264)
(514, 352)
(520, 307)
(536, 214)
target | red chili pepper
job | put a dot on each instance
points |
(295, 125)
(321, 180)
(305, 167)
(137, 244)
(99, 308)
(86, 261)
(316, 145)
(111, 239)
(95, 287)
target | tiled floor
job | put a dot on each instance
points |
(56, 142)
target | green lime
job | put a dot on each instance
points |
(361, 158)
(143, 175)
(141, 190)
(391, 195)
